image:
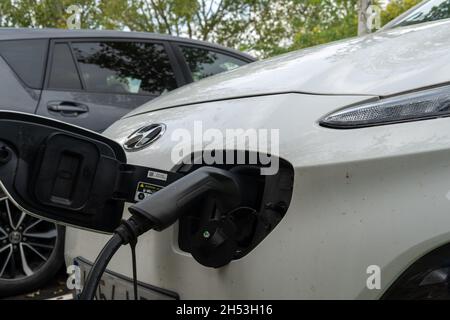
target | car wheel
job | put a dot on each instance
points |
(31, 250)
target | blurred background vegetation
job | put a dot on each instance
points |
(262, 27)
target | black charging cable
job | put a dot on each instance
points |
(99, 267)
(161, 210)
(134, 266)
(127, 233)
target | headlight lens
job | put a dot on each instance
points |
(415, 106)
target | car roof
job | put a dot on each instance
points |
(30, 33)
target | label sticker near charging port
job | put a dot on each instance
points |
(136, 183)
(157, 175)
(145, 189)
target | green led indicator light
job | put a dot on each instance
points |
(206, 234)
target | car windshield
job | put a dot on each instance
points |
(428, 11)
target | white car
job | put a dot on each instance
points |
(364, 130)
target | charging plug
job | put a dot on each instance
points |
(163, 208)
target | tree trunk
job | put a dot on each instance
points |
(362, 18)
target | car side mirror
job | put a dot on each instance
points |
(61, 172)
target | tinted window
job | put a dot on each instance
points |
(63, 73)
(204, 63)
(125, 67)
(27, 59)
(430, 11)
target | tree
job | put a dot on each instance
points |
(45, 13)
(362, 18)
(262, 27)
(396, 8)
(252, 25)
(322, 21)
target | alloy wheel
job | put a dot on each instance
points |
(26, 242)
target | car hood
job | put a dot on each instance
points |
(380, 64)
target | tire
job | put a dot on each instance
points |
(31, 250)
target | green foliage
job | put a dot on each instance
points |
(325, 21)
(263, 27)
(44, 13)
(396, 8)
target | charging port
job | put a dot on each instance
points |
(215, 240)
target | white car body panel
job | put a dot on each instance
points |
(380, 64)
(371, 196)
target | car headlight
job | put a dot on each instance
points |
(426, 104)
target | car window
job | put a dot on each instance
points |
(27, 59)
(63, 74)
(205, 63)
(429, 11)
(125, 67)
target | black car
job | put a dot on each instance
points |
(90, 79)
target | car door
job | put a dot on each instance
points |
(93, 82)
(22, 66)
(202, 61)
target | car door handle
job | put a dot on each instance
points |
(67, 108)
